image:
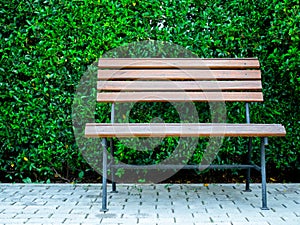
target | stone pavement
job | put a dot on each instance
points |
(186, 204)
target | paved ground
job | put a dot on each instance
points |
(186, 204)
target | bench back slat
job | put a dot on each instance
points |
(167, 74)
(183, 63)
(178, 80)
(179, 96)
(177, 85)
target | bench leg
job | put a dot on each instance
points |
(249, 150)
(104, 177)
(264, 142)
(249, 162)
(113, 184)
(112, 150)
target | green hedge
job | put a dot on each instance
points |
(46, 46)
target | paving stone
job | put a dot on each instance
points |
(149, 204)
(13, 221)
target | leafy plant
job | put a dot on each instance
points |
(46, 47)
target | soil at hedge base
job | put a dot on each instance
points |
(210, 176)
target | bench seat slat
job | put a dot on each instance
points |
(191, 63)
(143, 74)
(179, 96)
(183, 130)
(177, 85)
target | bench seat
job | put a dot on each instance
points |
(126, 130)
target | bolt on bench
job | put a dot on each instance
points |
(198, 80)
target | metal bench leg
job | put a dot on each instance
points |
(113, 185)
(112, 119)
(264, 142)
(249, 150)
(104, 177)
(249, 162)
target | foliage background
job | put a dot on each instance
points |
(46, 46)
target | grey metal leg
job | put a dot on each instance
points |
(249, 150)
(112, 150)
(104, 177)
(114, 186)
(264, 142)
(249, 162)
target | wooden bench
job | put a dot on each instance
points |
(197, 80)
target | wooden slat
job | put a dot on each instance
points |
(190, 63)
(177, 85)
(183, 130)
(179, 74)
(179, 96)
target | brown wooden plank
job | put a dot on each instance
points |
(177, 85)
(179, 74)
(183, 130)
(179, 96)
(183, 63)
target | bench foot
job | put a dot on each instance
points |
(247, 188)
(104, 210)
(114, 187)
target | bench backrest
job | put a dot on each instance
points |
(178, 80)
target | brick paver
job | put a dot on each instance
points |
(159, 204)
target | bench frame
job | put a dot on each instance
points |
(92, 131)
